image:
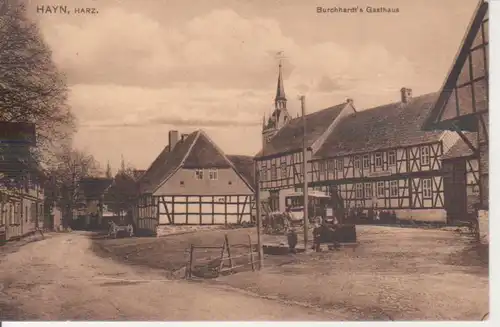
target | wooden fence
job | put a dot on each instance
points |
(230, 259)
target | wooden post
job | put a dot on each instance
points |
(304, 174)
(228, 248)
(258, 207)
(250, 249)
(191, 252)
(221, 264)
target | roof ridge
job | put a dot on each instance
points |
(231, 164)
(181, 163)
(429, 94)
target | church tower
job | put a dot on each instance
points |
(280, 116)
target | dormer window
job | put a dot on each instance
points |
(378, 159)
(199, 174)
(213, 174)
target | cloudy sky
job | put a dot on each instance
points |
(138, 69)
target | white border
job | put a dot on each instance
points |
(494, 11)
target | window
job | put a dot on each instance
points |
(424, 155)
(213, 174)
(368, 191)
(359, 191)
(391, 158)
(274, 172)
(199, 174)
(357, 162)
(321, 166)
(427, 188)
(366, 161)
(331, 165)
(394, 188)
(380, 189)
(340, 164)
(378, 159)
(284, 171)
(26, 213)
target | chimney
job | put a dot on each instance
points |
(184, 137)
(173, 138)
(349, 101)
(405, 95)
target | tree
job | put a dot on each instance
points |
(63, 178)
(31, 87)
(123, 191)
(109, 174)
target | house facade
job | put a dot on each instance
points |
(192, 182)
(463, 103)
(380, 159)
(90, 200)
(21, 182)
(280, 161)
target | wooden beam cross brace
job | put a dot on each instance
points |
(465, 139)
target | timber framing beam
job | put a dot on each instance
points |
(474, 149)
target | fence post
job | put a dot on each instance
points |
(229, 252)
(221, 264)
(250, 249)
(191, 261)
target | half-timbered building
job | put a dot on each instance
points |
(380, 159)
(21, 182)
(192, 182)
(91, 192)
(280, 161)
(462, 105)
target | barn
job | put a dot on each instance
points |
(463, 104)
(192, 182)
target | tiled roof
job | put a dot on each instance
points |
(245, 166)
(290, 137)
(460, 148)
(196, 151)
(387, 126)
(94, 187)
(165, 164)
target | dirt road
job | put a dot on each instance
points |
(60, 278)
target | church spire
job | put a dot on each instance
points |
(280, 89)
(280, 100)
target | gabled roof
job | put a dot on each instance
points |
(94, 187)
(387, 126)
(460, 149)
(290, 137)
(245, 166)
(453, 107)
(197, 150)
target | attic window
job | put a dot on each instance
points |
(378, 159)
(366, 161)
(199, 174)
(230, 183)
(213, 174)
(182, 183)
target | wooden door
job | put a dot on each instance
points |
(455, 190)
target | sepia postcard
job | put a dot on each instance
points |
(258, 160)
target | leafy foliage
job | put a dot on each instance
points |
(31, 87)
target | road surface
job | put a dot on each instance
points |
(60, 278)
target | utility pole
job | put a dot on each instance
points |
(258, 207)
(304, 173)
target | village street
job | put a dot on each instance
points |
(60, 278)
